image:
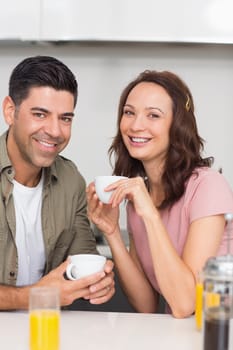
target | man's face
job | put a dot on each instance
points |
(40, 127)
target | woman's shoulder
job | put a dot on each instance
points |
(206, 175)
(208, 184)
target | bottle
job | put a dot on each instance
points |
(210, 270)
(218, 303)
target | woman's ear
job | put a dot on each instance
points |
(8, 107)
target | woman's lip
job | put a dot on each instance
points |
(139, 140)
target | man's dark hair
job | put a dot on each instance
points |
(39, 71)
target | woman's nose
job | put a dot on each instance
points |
(138, 123)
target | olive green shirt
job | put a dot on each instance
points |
(66, 228)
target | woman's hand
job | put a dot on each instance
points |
(106, 216)
(133, 189)
(102, 215)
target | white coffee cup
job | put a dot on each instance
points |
(82, 265)
(101, 182)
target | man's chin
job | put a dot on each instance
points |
(44, 163)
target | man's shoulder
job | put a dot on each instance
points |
(64, 163)
(66, 170)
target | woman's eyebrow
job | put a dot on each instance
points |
(148, 108)
(159, 109)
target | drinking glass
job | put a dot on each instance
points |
(44, 318)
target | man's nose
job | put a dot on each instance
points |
(53, 127)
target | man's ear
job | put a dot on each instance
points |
(8, 107)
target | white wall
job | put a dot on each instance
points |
(103, 70)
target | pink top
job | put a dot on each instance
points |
(206, 194)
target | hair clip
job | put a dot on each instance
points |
(187, 104)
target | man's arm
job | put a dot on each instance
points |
(98, 288)
(13, 298)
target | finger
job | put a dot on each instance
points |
(90, 191)
(116, 185)
(108, 267)
(107, 281)
(82, 289)
(96, 213)
(69, 294)
(109, 292)
(62, 267)
(100, 293)
(90, 187)
(93, 203)
(119, 195)
(88, 281)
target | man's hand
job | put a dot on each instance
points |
(97, 288)
(103, 290)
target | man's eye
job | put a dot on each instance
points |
(67, 119)
(39, 115)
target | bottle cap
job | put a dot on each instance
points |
(219, 268)
(228, 217)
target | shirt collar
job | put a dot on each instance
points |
(4, 159)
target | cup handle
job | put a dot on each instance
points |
(69, 272)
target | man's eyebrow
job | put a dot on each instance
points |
(44, 110)
(68, 114)
(41, 109)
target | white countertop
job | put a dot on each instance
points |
(107, 331)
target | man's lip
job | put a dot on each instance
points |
(47, 144)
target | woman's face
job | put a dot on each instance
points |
(146, 121)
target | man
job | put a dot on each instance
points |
(42, 195)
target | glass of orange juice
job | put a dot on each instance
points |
(44, 318)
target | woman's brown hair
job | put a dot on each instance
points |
(186, 146)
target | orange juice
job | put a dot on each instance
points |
(44, 329)
(199, 305)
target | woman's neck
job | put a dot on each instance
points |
(154, 181)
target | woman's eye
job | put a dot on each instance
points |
(154, 116)
(128, 112)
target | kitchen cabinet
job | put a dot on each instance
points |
(20, 20)
(198, 21)
(188, 21)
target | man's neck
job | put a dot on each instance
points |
(29, 180)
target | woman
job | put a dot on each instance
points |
(176, 202)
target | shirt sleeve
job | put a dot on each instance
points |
(208, 194)
(84, 241)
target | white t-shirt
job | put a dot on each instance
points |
(29, 235)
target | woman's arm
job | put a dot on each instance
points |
(176, 275)
(136, 286)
